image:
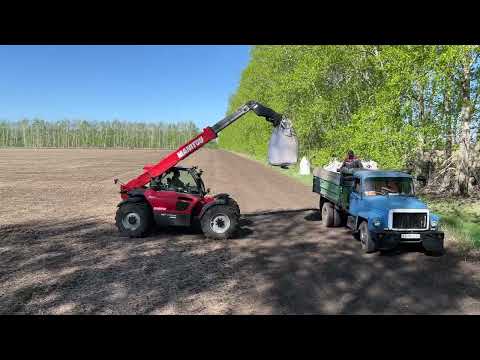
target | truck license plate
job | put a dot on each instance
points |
(410, 236)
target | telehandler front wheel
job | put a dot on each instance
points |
(134, 219)
(220, 222)
(235, 206)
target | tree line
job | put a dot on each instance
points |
(84, 134)
(391, 104)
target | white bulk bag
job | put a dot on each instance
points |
(283, 145)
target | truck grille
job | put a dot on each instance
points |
(409, 221)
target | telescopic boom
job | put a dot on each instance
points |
(208, 134)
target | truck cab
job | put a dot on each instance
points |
(379, 206)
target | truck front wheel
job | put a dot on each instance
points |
(366, 238)
(328, 214)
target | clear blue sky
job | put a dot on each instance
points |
(135, 83)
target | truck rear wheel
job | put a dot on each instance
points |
(320, 206)
(134, 219)
(366, 239)
(337, 218)
(220, 222)
(328, 214)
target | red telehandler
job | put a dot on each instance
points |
(167, 195)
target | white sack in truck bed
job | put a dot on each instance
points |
(334, 165)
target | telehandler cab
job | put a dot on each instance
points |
(167, 195)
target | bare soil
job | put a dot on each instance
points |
(60, 252)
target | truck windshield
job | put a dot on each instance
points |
(389, 186)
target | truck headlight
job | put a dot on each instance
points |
(435, 222)
(377, 222)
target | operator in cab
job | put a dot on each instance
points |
(351, 162)
(392, 187)
(175, 180)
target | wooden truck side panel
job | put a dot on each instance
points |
(333, 186)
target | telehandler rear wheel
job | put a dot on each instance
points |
(134, 219)
(220, 222)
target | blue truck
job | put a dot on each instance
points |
(380, 207)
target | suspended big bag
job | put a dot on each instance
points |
(283, 145)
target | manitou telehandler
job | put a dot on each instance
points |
(176, 196)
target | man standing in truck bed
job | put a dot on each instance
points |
(350, 162)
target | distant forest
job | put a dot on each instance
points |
(87, 134)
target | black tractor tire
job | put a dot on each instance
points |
(366, 240)
(134, 219)
(328, 214)
(235, 206)
(220, 222)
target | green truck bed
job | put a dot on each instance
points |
(333, 186)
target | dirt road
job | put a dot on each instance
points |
(60, 252)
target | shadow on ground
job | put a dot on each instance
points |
(281, 262)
